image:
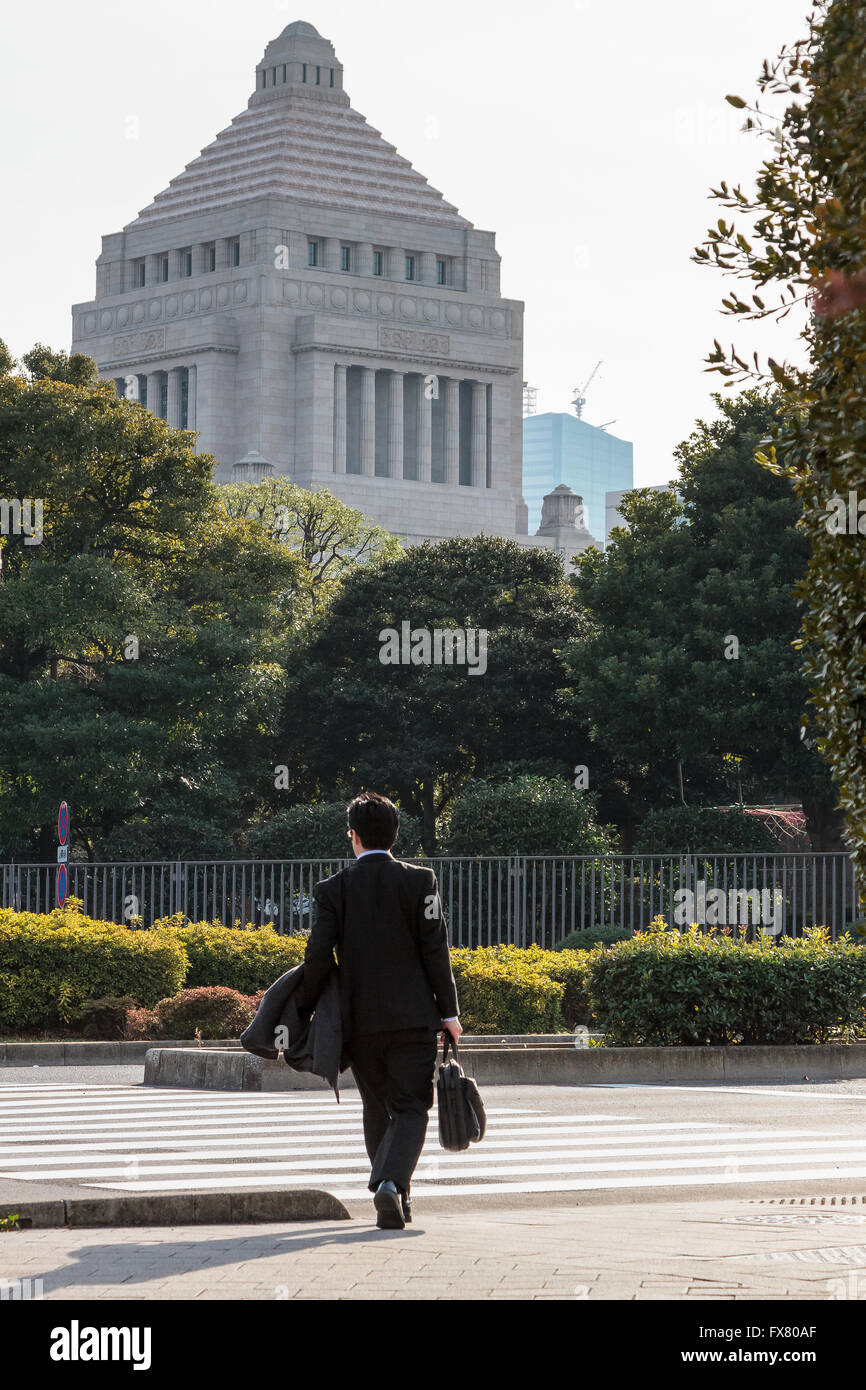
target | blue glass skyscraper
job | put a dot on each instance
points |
(559, 448)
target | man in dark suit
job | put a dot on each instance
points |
(384, 919)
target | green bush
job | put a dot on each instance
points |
(243, 958)
(698, 830)
(670, 987)
(319, 832)
(212, 1013)
(51, 965)
(589, 937)
(527, 816)
(572, 970)
(106, 1018)
(501, 989)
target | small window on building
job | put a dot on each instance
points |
(312, 253)
(345, 258)
(140, 278)
(163, 269)
(264, 81)
(273, 77)
(211, 257)
(284, 72)
(410, 267)
(332, 77)
(235, 251)
(304, 73)
(378, 262)
(441, 273)
(318, 77)
(187, 262)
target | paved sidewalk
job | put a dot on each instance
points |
(728, 1250)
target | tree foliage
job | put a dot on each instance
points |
(418, 732)
(142, 635)
(688, 673)
(806, 245)
(328, 537)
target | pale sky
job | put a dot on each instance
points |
(585, 133)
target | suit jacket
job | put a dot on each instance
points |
(384, 919)
(312, 1045)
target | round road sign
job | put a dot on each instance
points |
(63, 823)
(61, 885)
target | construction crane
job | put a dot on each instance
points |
(580, 393)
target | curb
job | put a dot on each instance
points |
(90, 1054)
(98, 1053)
(520, 1065)
(179, 1209)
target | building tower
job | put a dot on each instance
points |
(303, 298)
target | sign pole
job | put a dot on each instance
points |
(62, 854)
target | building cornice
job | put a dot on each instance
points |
(416, 359)
(141, 359)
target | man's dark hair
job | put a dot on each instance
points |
(375, 820)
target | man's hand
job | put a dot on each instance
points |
(453, 1027)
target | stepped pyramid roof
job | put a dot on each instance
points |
(301, 139)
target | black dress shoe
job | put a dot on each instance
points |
(388, 1204)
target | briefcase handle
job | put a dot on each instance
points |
(447, 1042)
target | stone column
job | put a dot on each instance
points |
(248, 248)
(395, 426)
(479, 434)
(151, 270)
(427, 269)
(452, 431)
(368, 421)
(200, 258)
(339, 419)
(395, 263)
(173, 405)
(190, 399)
(364, 254)
(425, 433)
(332, 253)
(154, 392)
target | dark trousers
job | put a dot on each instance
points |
(394, 1072)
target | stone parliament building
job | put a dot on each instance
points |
(302, 298)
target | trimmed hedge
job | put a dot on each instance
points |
(669, 987)
(246, 959)
(512, 989)
(51, 965)
(660, 987)
(502, 992)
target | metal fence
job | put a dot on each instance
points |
(517, 900)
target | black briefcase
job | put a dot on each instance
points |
(462, 1120)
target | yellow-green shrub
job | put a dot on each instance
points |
(49, 965)
(243, 958)
(502, 989)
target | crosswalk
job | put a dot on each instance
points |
(135, 1140)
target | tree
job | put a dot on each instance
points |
(526, 816)
(328, 537)
(418, 731)
(142, 631)
(807, 242)
(688, 672)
